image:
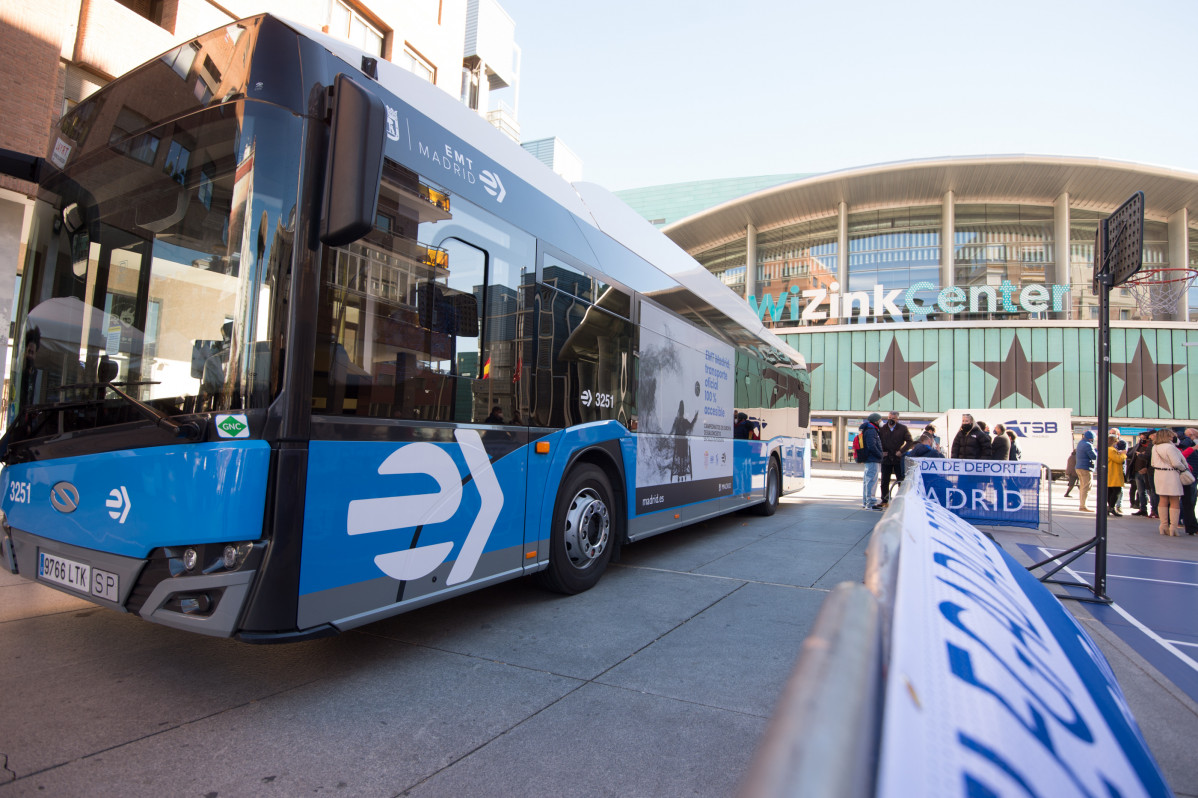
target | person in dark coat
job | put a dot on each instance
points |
(1141, 472)
(744, 429)
(970, 442)
(925, 448)
(896, 440)
(1129, 477)
(1189, 495)
(1000, 447)
(1071, 470)
(871, 455)
(1087, 458)
(1015, 453)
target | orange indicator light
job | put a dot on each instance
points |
(542, 447)
(530, 555)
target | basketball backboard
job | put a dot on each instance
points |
(1119, 242)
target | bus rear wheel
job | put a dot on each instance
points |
(583, 532)
(773, 489)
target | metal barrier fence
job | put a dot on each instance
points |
(967, 678)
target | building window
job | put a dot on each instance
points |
(995, 244)
(1193, 264)
(346, 22)
(727, 262)
(1082, 226)
(793, 259)
(417, 64)
(895, 248)
(150, 9)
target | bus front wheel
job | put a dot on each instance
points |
(583, 533)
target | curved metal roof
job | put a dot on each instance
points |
(1092, 183)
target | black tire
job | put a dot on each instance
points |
(584, 532)
(773, 490)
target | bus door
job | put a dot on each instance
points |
(417, 473)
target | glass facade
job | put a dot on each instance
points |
(1082, 228)
(896, 248)
(727, 262)
(796, 258)
(994, 245)
(1193, 264)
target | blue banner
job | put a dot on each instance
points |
(995, 492)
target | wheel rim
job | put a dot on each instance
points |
(772, 487)
(588, 528)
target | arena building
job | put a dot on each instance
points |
(925, 286)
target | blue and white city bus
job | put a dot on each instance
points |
(303, 343)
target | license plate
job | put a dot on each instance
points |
(78, 576)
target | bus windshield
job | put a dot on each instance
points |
(155, 259)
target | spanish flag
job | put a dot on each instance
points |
(487, 369)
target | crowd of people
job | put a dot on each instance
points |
(882, 447)
(1159, 473)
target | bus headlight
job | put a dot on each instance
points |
(235, 554)
(211, 558)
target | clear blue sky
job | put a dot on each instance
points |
(663, 91)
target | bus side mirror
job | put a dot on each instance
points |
(354, 165)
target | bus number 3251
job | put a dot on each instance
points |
(598, 399)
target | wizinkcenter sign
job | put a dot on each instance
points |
(817, 304)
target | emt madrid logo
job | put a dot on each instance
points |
(404, 512)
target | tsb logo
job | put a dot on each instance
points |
(403, 512)
(1022, 429)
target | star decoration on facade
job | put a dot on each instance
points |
(1143, 378)
(894, 374)
(1016, 375)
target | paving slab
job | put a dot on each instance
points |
(734, 655)
(579, 636)
(608, 741)
(780, 560)
(404, 714)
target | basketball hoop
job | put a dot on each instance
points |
(1157, 291)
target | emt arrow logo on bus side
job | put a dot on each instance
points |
(492, 184)
(118, 504)
(404, 512)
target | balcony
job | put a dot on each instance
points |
(504, 118)
(111, 39)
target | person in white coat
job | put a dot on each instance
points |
(1168, 465)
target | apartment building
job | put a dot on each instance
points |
(54, 53)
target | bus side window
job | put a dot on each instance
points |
(584, 363)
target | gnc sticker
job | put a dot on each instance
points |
(233, 426)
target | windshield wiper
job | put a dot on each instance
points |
(189, 429)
